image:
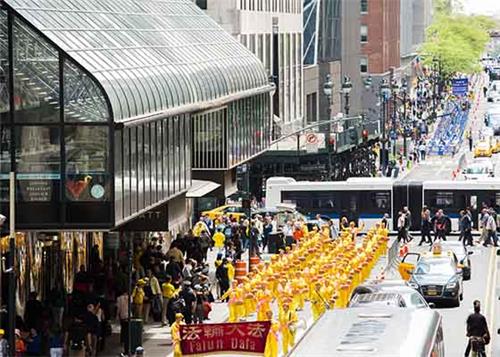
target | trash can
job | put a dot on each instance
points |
(135, 329)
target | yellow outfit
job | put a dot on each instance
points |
(230, 272)
(176, 338)
(219, 238)
(272, 340)
(287, 319)
(138, 295)
(168, 290)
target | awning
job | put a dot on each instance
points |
(200, 188)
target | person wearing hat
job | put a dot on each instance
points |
(4, 344)
(176, 334)
(138, 295)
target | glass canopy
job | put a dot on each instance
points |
(149, 56)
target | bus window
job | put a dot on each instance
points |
(444, 199)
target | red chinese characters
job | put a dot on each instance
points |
(247, 337)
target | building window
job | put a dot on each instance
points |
(312, 107)
(363, 65)
(364, 33)
(364, 6)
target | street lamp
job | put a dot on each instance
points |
(385, 92)
(404, 92)
(327, 91)
(394, 133)
(346, 89)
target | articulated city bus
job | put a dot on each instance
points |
(359, 199)
(388, 332)
(366, 200)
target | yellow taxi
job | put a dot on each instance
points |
(231, 211)
(496, 147)
(483, 149)
(410, 260)
(437, 275)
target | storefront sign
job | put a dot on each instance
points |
(248, 337)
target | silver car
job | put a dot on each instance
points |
(409, 296)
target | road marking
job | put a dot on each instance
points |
(490, 290)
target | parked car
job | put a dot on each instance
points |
(411, 297)
(478, 169)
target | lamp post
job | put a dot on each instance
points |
(346, 89)
(434, 87)
(404, 92)
(384, 93)
(395, 91)
(327, 91)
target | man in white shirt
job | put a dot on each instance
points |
(122, 314)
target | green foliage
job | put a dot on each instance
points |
(458, 41)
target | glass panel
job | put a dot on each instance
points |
(87, 176)
(136, 51)
(38, 163)
(147, 164)
(127, 172)
(171, 149)
(140, 167)
(4, 65)
(5, 145)
(118, 175)
(134, 170)
(83, 99)
(36, 86)
(154, 162)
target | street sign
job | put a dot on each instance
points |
(312, 143)
(460, 86)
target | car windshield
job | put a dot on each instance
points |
(416, 300)
(435, 266)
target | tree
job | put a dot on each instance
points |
(458, 41)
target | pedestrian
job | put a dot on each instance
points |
(425, 226)
(485, 91)
(408, 222)
(219, 240)
(56, 342)
(91, 329)
(168, 292)
(222, 277)
(441, 223)
(477, 330)
(189, 297)
(465, 228)
(491, 230)
(138, 296)
(122, 314)
(469, 139)
(401, 227)
(20, 346)
(385, 221)
(4, 345)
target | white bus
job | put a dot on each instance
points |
(369, 332)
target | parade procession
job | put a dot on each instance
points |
(316, 269)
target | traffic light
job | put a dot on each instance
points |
(364, 133)
(331, 143)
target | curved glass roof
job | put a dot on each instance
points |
(148, 55)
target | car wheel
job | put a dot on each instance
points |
(456, 302)
(467, 274)
(461, 297)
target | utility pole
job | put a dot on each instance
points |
(12, 263)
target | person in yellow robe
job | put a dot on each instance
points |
(176, 334)
(263, 303)
(234, 302)
(272, 348)
(219, 239)
(230, 270)
(288, 321)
